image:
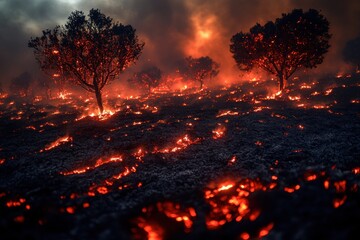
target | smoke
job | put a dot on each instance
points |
(344, 18)
(164, 26)
(171, 29)
(19, 20)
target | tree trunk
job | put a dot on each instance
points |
(282, 81)
(201, 84)
(99, 98)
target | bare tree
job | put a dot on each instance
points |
(149, 77)
(88, 51)
(199, 69)
(296, 40)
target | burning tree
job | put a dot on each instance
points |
(150, 77)
(89, 52)
(352, 53)
(296, 40)
(199, 69)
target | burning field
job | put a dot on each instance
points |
(235, 162)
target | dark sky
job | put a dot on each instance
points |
(171, 29)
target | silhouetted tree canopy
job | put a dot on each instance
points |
(199, 69)
(149, 77)
(352, 52)
(88, 51)
(296, 40)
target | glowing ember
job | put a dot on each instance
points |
(232, 160)
(57, 143)
(225, 187)
(292, 189)
(19, 219)
(229, 203)
(98, 163)
(311, 177)
(64, 95)
(340, 186)
(169, 210)
(259, 109)
(315, 93)
(219, 132)
(152, 231)
(274, 177)
(320, 106)
(102, 190)
(16, 203)
(245, 236)
(95, 114)
(273, 96)
(305, 86)
(181, 144)
(327, 92)
(326, 184)
(339, 201)
(301, 105)
(356, 170)
(265, 231)
(70, 210)
(174, 211)
(222, 203)
(126, 172)
(296, 98)
(227, 113)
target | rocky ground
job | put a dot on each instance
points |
(228, 163)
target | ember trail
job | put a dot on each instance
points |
(182, 154)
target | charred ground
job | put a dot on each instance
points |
(230, 163)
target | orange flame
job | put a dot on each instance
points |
(219, 132)
(57, 143)
(98, 163)
(339, 201)
(181, 144)
(265, 231)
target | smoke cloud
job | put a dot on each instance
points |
(171, 29)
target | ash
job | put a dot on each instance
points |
(234, 162)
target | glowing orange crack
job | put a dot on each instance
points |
(57, 143)
(98, 163)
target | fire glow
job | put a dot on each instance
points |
(219, 132)
(56, 143)
(98, 163)
(152, 230)
(181, 144)
(229, 203)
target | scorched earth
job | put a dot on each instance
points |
(229, 163)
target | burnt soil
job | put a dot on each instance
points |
(306, 157)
